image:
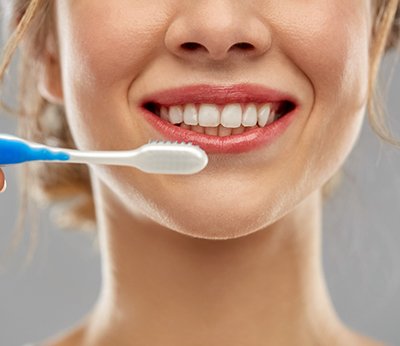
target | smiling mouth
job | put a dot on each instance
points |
(235, 118)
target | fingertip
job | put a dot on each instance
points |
(4, 182)
(4, 187)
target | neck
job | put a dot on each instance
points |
(170, 289)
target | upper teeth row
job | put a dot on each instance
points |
(210, 115)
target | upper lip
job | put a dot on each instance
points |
(218, 94)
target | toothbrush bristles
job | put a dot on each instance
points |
(160, 142)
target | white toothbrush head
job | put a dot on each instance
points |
(170, 158)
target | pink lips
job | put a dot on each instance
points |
(243, 93)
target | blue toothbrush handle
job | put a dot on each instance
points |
(14, 150)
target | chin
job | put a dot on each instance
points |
(218, 223)
(222, 230)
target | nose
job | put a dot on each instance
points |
(217, 30)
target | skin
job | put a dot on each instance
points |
(229, 256)
(2, 181)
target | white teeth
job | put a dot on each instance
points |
(231, 116)
(250, 115)
(238, 130)
(209, 115)
(224, 131)
(184, 126)
(175, 114)
(213, 131)
(272, 117)
(190, 115)
(263, 115)
(217, 131)
(198, 129)
(164, 113)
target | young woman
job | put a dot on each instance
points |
(231, 255)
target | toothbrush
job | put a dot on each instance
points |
(155, 157)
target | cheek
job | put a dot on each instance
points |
(331, 47)
(105, 45)
(329, 44)
(329, 41)
(106, 40)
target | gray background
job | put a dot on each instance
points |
(360, 250)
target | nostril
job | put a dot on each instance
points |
(190, 45)
(244, 45)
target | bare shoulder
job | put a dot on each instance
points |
(362, 340)
(351, 337)
(73, 337)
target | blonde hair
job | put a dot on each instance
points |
(46, 123)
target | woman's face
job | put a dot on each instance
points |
(115, 53)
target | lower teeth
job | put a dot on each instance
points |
(220, 131)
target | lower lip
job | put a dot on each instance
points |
(239, 143)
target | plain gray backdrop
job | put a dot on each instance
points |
(361, 244)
